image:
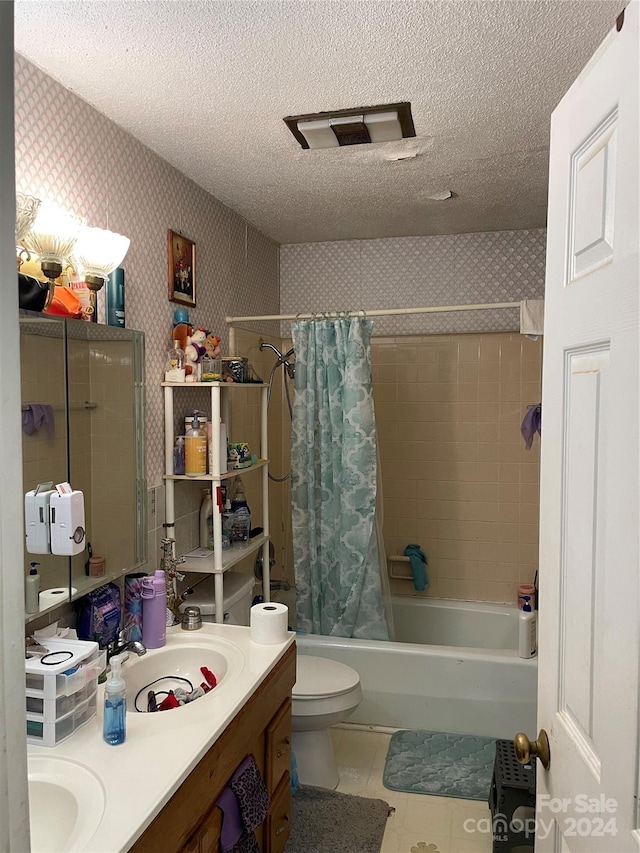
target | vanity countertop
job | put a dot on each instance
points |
(141, 775)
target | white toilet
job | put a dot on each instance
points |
(325, 692)
(238, 592)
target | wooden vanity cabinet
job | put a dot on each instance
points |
(190, 822)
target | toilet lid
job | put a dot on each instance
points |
(318, 678)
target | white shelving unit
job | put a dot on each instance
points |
(219, 561)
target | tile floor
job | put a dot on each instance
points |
(420, 824)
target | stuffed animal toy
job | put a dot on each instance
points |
(181, 333)
(212, 345)
(194, 351)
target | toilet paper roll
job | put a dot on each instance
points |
(56, 595)
(268, 623)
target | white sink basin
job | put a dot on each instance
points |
(181, 658)
(66, 804)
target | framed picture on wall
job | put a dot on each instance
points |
(182, 269)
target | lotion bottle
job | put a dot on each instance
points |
(32, 589)
(195, 463)
(527, 639)
(114, 723)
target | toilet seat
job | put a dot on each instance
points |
(321, 678)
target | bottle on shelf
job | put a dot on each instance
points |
(195, 464)
(206, 520)
(222, 448)
(178, 455)
(527, 639)
(174, 368)
(32, 589)
(241, 522)
(227, 524)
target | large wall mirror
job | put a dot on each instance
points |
(83, 422)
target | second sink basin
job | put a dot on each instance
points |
(66, 804)
(167, 668)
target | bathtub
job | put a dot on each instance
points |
(453, 668)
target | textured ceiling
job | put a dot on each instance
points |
(206, 85)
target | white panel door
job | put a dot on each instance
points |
(590, 593)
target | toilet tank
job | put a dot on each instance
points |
(238, 594)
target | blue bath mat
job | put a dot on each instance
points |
(440, 764)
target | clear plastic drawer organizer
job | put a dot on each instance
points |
(61, 697)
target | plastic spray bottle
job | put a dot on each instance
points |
(114, 725)
(32, 589)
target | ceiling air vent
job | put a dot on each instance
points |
(359, 126)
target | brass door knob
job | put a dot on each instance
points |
(537, 748)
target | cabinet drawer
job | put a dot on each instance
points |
(278, 746)
(279, 820)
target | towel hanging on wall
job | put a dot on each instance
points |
(35, 415)
(532, 318)
(531, 424)
(418, 562)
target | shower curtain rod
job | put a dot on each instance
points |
(382, 312)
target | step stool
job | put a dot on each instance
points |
(513, 785)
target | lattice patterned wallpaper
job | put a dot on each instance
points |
(406, 272)
(68, 152)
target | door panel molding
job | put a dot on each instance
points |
(592, 176)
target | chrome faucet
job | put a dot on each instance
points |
(122, 645)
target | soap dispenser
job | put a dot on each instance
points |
(32, 589)
(195, 464)
(114, 724)
(154, 610)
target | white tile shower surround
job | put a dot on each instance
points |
(420, 824)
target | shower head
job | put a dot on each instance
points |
(265, 345)
(282, 359)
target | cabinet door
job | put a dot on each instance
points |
(279, 820)
(206, 838)
(278, 746)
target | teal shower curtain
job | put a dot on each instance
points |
(336, 549)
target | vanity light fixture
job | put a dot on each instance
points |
(362, 125)
(27, 207)
(52, 237)
(98, 253)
